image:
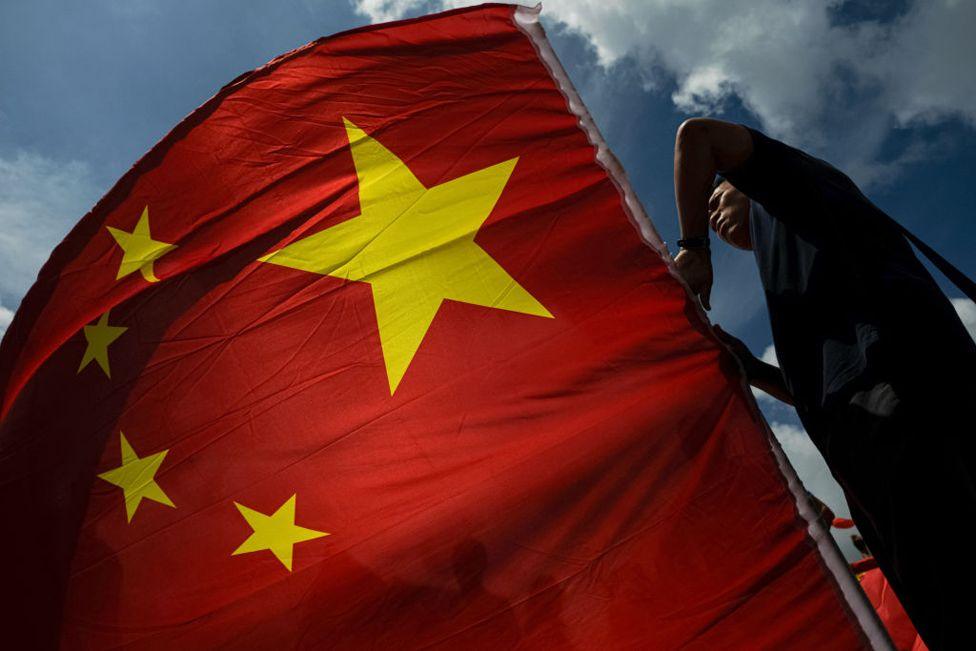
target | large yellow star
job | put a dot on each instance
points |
(139, 249)
(99, 337)
(415, 246)
(277, 532)
(136, 478)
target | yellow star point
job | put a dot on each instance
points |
(139, 249)
(99, 337)
(136, 478)
(277, 532)
(415, 246)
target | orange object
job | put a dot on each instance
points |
(890, 611)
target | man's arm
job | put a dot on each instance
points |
(769, 378)
(702, 148)
(761, 375)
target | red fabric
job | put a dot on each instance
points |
(864, 564)
(889, 609)
(594, 480)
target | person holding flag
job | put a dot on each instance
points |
(872, 354)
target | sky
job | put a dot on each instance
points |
(884, 89)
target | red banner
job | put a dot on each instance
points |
(370, 350)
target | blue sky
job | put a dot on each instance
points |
(884, 89)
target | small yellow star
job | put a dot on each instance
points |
(99, 337)
(140, 250)
(277, 532)
(136, 478)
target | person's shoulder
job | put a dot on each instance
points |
(779, 152)
(768, 147)
(777, 172)
(759, 176)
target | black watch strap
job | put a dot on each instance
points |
(693, 243)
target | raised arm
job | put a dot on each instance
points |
(769, 378)
(702, 148)
(761, 375)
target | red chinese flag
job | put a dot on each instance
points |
(370, 351)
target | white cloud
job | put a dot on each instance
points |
(836, 89)
(967, 312)
(925, 62)
(40, 199)
(381, 11)
(6, 316)
(768, 356)
(795, 441)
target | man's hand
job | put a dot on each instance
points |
(739, 349)
(759, 374)
(695, 267)
(702, 147)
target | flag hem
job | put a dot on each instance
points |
(856, 600)
(527, 20)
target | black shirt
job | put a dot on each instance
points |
(849, 303)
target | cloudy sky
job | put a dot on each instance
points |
(885, 89)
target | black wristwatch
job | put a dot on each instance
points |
(694, 243)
